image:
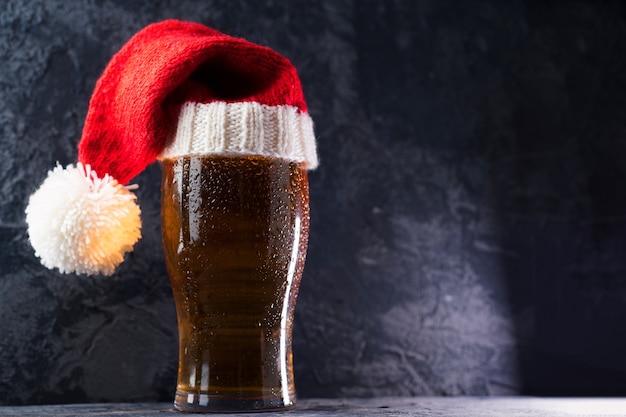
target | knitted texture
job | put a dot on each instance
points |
(244, 128)
(137, 100)
(175, 88)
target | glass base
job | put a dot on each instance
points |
(205, 403)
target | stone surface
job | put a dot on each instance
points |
(382, 406)
(468, 217)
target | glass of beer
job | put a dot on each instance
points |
(235, 230)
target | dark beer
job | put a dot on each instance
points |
(235, 232)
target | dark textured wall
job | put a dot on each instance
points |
(468, 217)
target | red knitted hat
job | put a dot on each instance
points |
(174, 89)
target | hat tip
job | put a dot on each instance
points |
(81, 223)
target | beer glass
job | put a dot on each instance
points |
(235, 230)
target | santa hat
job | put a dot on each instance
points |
(175, 89)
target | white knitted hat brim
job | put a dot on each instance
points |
(246, 128)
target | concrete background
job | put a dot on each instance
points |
(468, 218)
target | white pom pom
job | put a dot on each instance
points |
(78, 222)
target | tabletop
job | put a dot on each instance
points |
(388, 407)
